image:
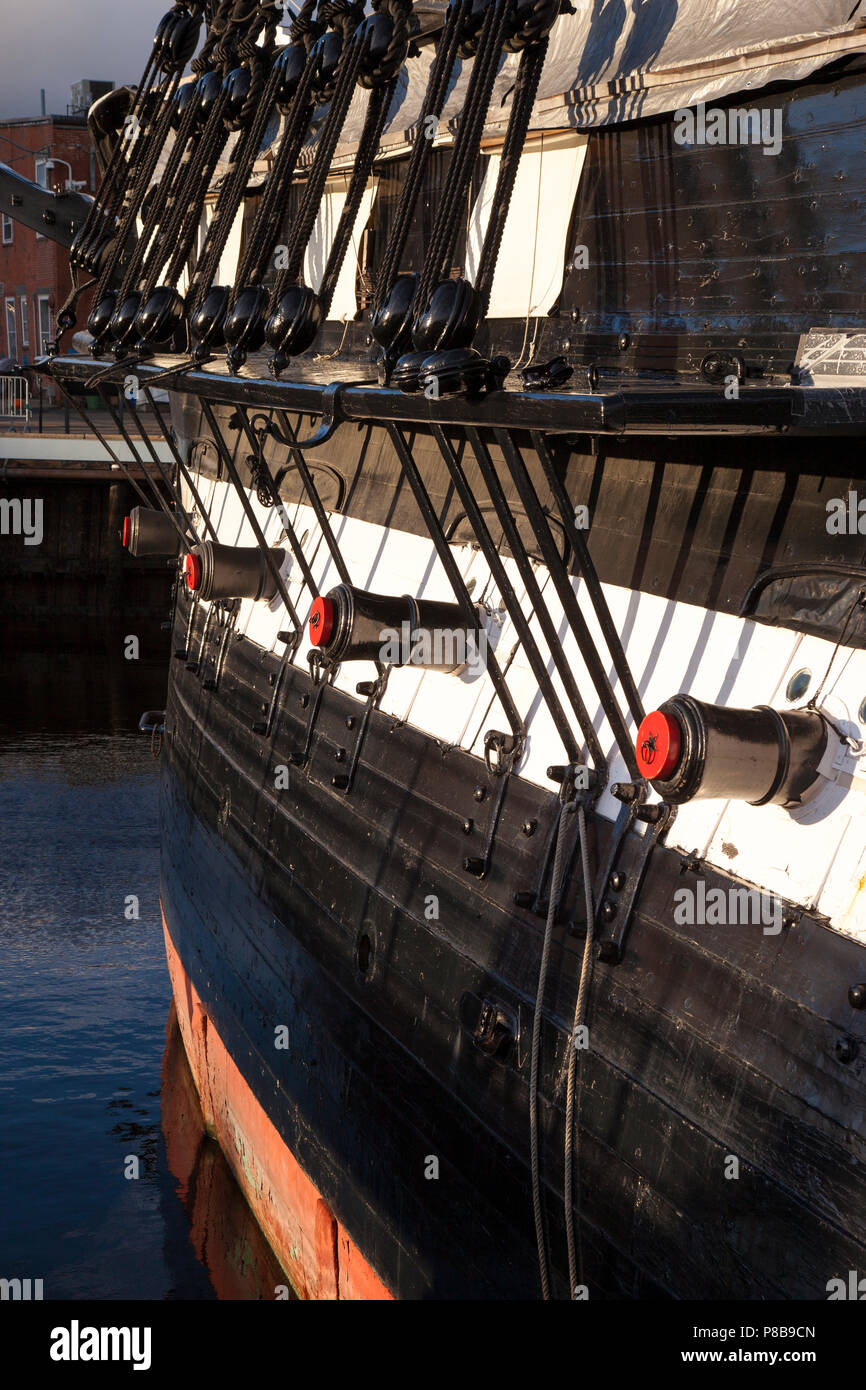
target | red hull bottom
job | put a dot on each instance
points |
(319, 1258)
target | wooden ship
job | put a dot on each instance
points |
(512, 758)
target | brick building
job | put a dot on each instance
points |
(34, 272)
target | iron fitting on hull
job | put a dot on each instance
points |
(147, 532)
(231, 571)
(349, 624)
(759, 755)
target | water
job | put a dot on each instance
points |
(92, 1081)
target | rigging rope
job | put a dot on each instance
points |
(103, 227)
(526, 87)
(434, 100)
(566, 809)
(439, 253)
(372, 58)
(556, 884)
(259, 103)
(149, 156)
(175, 228)
(575, 1250)
(266, 226)
(116, 179)
(153, 232)
(377, 111)
(347, 75)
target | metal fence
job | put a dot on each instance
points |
(14, 398)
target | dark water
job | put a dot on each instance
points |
(91, 1075)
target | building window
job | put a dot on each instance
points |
(7, 230)
(24, 320)
(11, 331)
(43, 321)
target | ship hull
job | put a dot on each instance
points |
(707, 1046)
(320, 1259)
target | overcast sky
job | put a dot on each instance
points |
(53, 43)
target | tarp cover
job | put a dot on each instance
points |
(618, 60)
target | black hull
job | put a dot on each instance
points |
(688, 389)
(707, 1043)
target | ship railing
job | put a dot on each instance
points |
(511, 440)
(338, 405)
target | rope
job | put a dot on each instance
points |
(147, 142)
(185, 196)
(520, 360)
(191, 199)
(526, 87)
(140, 183)
(575, 1253)
(858, 602)
(266, 223)
(233, 188)
(174, 212)
(113, 186)
(439, 253)
(348, 69)
(238, 26)
(154, 233)
(326, 356)
(377, 111)
(434, 100)
(218, 20)
(166, 215)
(535, 1169)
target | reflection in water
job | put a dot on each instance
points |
(80, 677)
(84, 992)
(223, 1230)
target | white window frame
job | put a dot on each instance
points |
(43, 338)
(8, 226)
(11, 328)
(25, 320)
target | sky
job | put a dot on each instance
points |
(53, 43)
